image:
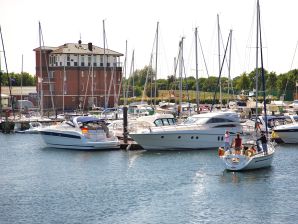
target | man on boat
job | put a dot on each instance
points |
(263, 140)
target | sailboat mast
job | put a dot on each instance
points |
(63, 87)
(262, 70)
(257, 62)
(180, 73)
(219, 61)
(40, 80)
(197, 71)
(22, 83)
(125, 81)
(229, 68)
(132, 73)
(104, 64)
(156, 54)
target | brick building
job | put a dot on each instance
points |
(77, 76)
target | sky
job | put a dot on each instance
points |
(135, 21)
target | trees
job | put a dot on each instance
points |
(15, 78)
(242, 82)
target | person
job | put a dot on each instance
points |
(258, 126)
(237, 143)
(263, 140)
(227, 141)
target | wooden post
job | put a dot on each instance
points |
(125, 122)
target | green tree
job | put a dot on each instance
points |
(242, 82)
(271, 82)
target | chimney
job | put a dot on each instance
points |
(90, 46)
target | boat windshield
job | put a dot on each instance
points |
(196, 120)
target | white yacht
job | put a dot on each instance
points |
(82, 132)
(288, 133)
(199, 131)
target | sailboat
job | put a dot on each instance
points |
(250, 158)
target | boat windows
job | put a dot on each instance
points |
(218, 120)
(196, 120)
(158, 122)
(164, 122)
(172, 121)
(225, 126)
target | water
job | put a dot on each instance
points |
(43, 185)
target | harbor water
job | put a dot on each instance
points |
(46, 185)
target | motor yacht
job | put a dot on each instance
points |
(198, 131)
(81, 132)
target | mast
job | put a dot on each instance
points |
(40, 80)
(229, 68)
(22, 84)
(104, 63)
(156, 53)
(257, 62)
(125, 81)
(197, 75)
(262, 70)
(63, 87)
(132, 73)
(218, 40)
(180, 73)
(92, 80)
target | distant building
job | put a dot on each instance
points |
(18, 93)
(77, 76)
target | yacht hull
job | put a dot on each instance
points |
(74, 140)
(176, 141)
(288, 135)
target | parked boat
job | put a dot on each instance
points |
(82, 132)
(199, 131)
(31, 127)
(288, 133)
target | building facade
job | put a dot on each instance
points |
(77, 76)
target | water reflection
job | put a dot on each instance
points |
(246, 176)
(133, 156)
(199, 183)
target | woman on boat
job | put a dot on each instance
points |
(237, 144)
(227, 141)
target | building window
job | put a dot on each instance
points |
(51, 60)
(68, 63)
(82, 60)
(101, 61)
(94, 64)
(51, 74)
(89, 60)
(75, 64)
